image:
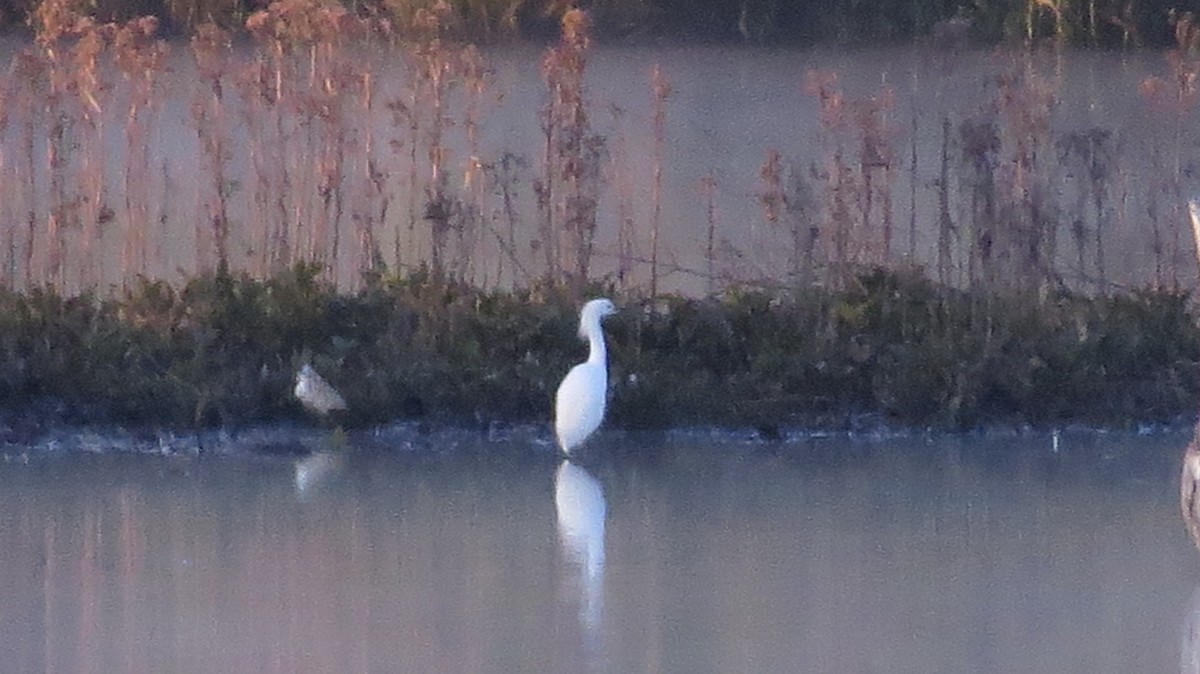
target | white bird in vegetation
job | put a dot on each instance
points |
(579, 404)
(316, 394)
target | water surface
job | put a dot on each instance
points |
(684, 554)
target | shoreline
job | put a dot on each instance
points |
(292, 442)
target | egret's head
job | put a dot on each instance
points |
(592, 312)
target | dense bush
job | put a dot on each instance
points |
(891, 349)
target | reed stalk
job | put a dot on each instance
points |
(92, 93)
(708, 189)
(504, 176)
(575, 153)
(140, 56)
(662, 91)
(210, 51)
(623, 182)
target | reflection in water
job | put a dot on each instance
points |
(312, 470)
(1189, 652)
(1189, 505)
(1189, 488)
(912, 555)
(581, 509)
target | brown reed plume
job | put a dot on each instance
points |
(504, 176)
(1092, 154)
(269, 239)
(9, 185)
(211, 47)
(574, 153)
(434, 72)
(376, 197)
(708, 189)
(835, 174)
(56, 22)
(290, 34)
(437, 66)
(787, 202)
(876, 159)
(851, 188)
(92, 93)
(475, 76)
(310, 177)
(1007, 160)
(946, 230)
(298, 97)
(31, 80)
(1172, 101)
(662, 91)
(1026, 104)
(271, 113)
(140, 56)
(623, 182)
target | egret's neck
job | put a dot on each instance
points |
(597, 352)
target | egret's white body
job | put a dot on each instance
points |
(315, 393)
(581, 509)
(579, 404)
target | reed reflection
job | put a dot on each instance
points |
(212, 565)
(581, 509)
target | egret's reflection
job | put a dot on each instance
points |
(1189, 651)
(1189, 505)
(312, 470)
(579, 502)
(1189, 489)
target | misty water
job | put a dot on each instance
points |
(684, 553)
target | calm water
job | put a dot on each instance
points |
(687, 555)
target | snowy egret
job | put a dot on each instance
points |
(581, 509)
(315, 393)
(579, 404)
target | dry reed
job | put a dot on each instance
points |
(302, 152)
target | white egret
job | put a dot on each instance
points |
(581, 509)
(316, 394)
(579, 404)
